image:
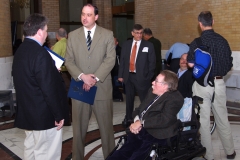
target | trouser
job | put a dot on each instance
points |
(81, 113)
(220, 113)
(138, 146)
(45, 144)
(131, 88)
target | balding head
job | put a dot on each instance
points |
(61, 33)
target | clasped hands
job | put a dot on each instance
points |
(135, 127)
(89, 81)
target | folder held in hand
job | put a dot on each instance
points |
(57, 59)
(76, 92)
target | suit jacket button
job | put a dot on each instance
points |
(89, 67)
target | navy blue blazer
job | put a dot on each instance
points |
(40, 92)
(145, 63)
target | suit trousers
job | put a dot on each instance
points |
(45, 144)
(138, 146)
(81, 114)
(220, 113)
(131, 87)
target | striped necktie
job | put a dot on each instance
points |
(89, 41)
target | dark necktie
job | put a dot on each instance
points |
(89, 41)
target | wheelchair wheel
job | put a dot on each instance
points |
(212, 124)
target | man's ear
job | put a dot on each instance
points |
(132, 33)
(96, 17)
(40, 33)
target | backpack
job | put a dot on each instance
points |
(203, 65)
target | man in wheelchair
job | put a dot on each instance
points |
(155, 120)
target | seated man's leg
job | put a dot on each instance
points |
(137, 147)
(132, 144)
(147, 141)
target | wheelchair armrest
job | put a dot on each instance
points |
(196, 98)
(192, 124)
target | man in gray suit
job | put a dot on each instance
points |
(90, 57)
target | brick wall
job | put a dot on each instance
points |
(5, 29)
(50, 9)
(105, 13)
(176, 20)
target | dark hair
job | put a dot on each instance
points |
(137, 27)
(33, 23)
(171, 79)
(62, 32)
(95, 8)
(205, 18)
(147, 31)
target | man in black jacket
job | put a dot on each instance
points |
(136, 70)
(40, 92)
(155, 120)
(186, 80)
(147, 35)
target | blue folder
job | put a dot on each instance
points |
(76, 92)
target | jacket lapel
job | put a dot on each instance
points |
(96, 37)
(129, 48)
(81, 36)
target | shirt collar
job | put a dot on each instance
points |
(207, 31)
(92, 30)
(34, 40)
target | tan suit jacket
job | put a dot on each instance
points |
(98, 61)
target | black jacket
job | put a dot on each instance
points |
(160, 120)
(40, 92)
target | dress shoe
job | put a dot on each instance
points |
(232, 156)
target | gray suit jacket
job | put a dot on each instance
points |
(98, 61)
(160, 120)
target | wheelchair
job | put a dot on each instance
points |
(186, 146)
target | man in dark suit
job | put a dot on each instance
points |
(155, 119)
(92, 63)
(40, 92)
(117, 94)
(185, 76)
(147, 35)
(137, 65)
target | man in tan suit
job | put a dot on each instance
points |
(90, 57)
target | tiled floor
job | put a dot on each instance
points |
(11, 139)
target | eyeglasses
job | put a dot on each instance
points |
(156, 81)
(138, 32)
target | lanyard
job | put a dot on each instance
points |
(145, 110)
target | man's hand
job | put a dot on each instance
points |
(191, 65)
(59, 124)
(86, 87)
(135, 127)
(120, 80)
(88, 79)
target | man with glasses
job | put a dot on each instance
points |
(155, 120)
(137, 65)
